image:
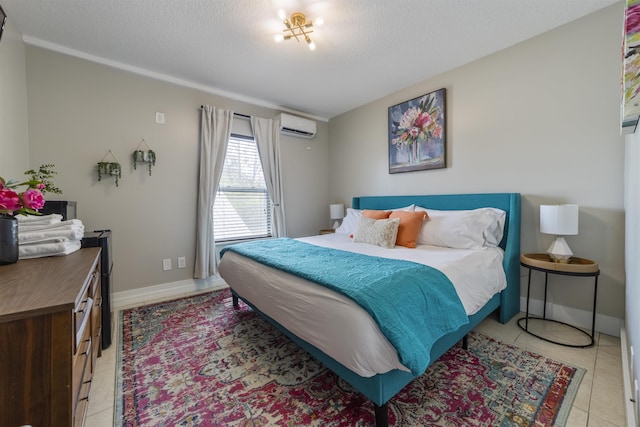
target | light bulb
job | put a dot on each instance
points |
(318, 22)
(278, 38)
(312, 45)
(282, 14)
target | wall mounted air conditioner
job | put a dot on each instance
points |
(297, 126)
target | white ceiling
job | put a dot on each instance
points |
(365, 50)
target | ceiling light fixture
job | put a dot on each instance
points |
(297, 27)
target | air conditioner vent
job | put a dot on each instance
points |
(297, 126)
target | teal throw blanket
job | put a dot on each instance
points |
(413, 304)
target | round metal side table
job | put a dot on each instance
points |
(575, 267)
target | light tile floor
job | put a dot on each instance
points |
(599, 402)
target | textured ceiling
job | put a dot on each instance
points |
(365, 50)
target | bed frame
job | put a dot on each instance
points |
(382, 387)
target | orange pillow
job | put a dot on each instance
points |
(410, 223)
(376, 214)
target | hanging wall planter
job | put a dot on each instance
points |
(110, 168)
(147, 156)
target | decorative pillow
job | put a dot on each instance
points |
(467, 229)
(409, 228)
(376, 214)
(380, 232)
(350, 221)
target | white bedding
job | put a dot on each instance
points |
(337, 325)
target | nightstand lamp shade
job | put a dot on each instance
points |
(336, 212)
(561, 220)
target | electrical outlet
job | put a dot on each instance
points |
(182, 262)
(159, 118)
(166, 264)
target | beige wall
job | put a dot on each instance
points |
(79, 110)
(540, 118)
(632, 222)
(14, 136)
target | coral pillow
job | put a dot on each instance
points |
(367, 213)
(409, 228)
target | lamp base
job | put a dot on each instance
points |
(559, 251)
(336, 224)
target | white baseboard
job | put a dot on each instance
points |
(631, 406)
(581, 318)
(165, 291)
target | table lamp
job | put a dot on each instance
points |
(337, 213)
(561, 220)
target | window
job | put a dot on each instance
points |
(242, 209)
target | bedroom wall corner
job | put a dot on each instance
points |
(540, 118)
(632, 254)
(14, 141)
(79, 110)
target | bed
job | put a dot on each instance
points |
(310, 314)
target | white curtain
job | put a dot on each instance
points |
(266, 132)
(214, 136)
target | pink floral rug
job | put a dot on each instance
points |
(198, 362)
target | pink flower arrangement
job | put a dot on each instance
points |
(416, 127)
(28, 202)
(418, 123)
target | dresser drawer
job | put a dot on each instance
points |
(81, 411)
(82, 402)
(96, 319)
(81, 317)
(82, 368)
(47, 339)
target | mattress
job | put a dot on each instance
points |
(334, 323)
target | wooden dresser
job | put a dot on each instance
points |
(49, 338)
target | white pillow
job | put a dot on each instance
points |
(380, 232)
(467, 229)
(350, 220)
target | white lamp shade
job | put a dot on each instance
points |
(560, 220)
(336, 211)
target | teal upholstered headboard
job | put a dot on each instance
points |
(508, 202)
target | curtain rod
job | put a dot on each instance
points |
(245, 116)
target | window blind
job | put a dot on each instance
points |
(242, 209)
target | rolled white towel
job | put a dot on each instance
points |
(38, 227)
(48, 249)
(47, 240)
(39, 219)
(70, 232)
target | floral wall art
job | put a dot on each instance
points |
(631, 77)
(417, 133)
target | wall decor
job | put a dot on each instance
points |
(106, 168)
(147, 156)
(417, 133)
(630, 108)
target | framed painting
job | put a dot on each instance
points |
(631, 67)
(3, 20)
(417, 134)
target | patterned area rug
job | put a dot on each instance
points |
(198, 362)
